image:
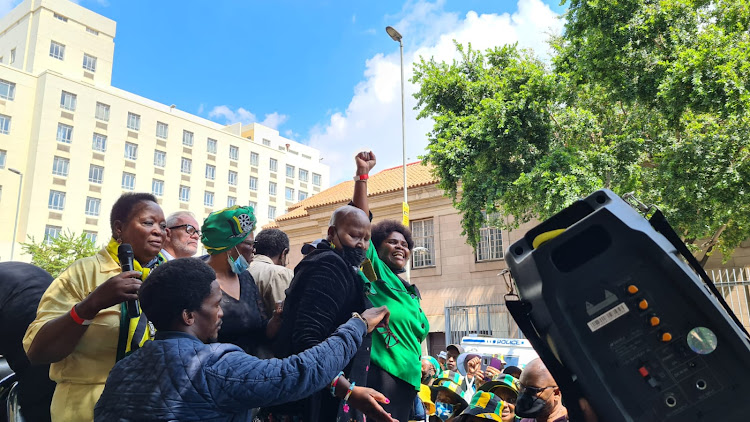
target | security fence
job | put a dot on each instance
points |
(734, 285)
(492, 320)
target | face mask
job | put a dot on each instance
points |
(529, 406)
(352, 256)
(238, 265)
(443, 410)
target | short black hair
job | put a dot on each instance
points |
(123, 207)
(512, 370)
(173, 287)
(383, 229)
(271, 242)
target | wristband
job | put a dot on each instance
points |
(334, 382)
(361, 318)
(77, 319)
(349, 393)
(361, 177)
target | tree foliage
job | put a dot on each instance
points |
(58, 253)
(650, 97)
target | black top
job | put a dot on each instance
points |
(323, 294)
(244, 322)
(21, 287)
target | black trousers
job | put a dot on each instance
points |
(399, 392)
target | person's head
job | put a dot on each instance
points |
(349, 233)
(485, 407)
(513, 370)
(229, 232)
(183, 295)
(505, 387)
(393, 242)
(430, 369)
(450, 398)
(183, 234)
(453, 351)
(539, 396)
(274, 244)
(137, 219)
(441, 357)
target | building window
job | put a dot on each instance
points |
(423, 254)
(99, 142)
(271, 212)
(234, 152)
(68, 101)
(57, 50)
(266, 142)
(60, 166)
(64, 133)
(289, 194)
(51, 232)
(102, 112)
(61, 17)
(301, 196)
(490, 246)
(184, 193)
(187, 138)
(210, 172)
(273, 164)
(160, 158)
(231, 201)
(162, 130)
(254, 159)
(7, 90)
(128, 181)
(232, 178)
(89, 62)
(186, 166)
(134, 121)
(316, 179)
(211, 146)
(92, 206)
(90, 236)
(4, 124)
(157, 187)
(56, 200)
(208, 199)
(253, 205)
(12, 55)
(131, 151)
(289, 171)
(272, 188)
(302, 175)
(92, 31)
(96, 174)
(253, 183)
(3, 155)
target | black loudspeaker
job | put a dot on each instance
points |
(618, 317)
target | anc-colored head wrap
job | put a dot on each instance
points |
(222, 230)
(434, 363)
(485, 405)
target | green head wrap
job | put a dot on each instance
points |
(434, 363)
(222, 230)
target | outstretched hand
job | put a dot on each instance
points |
(365, 162)
(376, 317)
(367, 400)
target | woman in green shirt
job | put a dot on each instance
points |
(395, 368)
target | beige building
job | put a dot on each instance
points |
(80, 142)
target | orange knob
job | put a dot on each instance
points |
(632, 289)
(643, 304)
(654, 321)
(666, 337)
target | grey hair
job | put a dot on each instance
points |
(172, 219)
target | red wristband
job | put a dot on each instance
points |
(78, 320)
(362, 177)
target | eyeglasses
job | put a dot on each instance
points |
(533, 390)
(388, 336)
(188, 228)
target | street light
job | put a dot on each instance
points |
(18, 206)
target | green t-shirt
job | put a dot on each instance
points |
(407, 322)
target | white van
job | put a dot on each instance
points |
(514, 351)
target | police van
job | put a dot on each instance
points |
(514, 351)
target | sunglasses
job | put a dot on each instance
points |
(388, 336)
(533, 390)
(188, 228)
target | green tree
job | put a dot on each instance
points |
(648, 97)
(61, 251)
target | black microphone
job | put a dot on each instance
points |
(125, 255)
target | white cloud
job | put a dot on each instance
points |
(274, 120)
(372, 120)
(224, 114)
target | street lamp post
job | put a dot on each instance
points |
(18, 207)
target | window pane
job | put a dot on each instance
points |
(102, 112)
(64, 133)
(157, 187)
(289, 194)
(3, 155)
(57, 50)
(7, 90)
(210, 172)
(89, 62)
(68, 101)
(162, 130)
(254, 158)
(184, 193)
(56, 200)
(302, 196)
(134, 121)
(99, 143)
(51, 232)
(424, 244)
(232, 178)
(60, 166)
(290, 171)
(234, 152)
(92, 206)
(128, 181)
(272, 188)
(316, 179)
(253, 183)
(96, 173)
(131, 151)
(211, 146)
(490, 246)
(231, 201)
(4, 124)
(302, 175)
(271, 212)
(160, 158)
(208, 199)
(273, 164)
(187, 138)
(187, 165)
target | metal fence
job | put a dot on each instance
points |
(491, 320)
(734, 285)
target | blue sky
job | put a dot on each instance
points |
(323, 73)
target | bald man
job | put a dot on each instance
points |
(540, 399)
(325, 291)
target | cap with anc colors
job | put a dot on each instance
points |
(484, 405)
(225, 229)
(451, 382)
(502, 381)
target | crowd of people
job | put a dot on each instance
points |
(237, 336)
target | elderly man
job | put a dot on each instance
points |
(539, 399)
(268, 267)
(183, 236)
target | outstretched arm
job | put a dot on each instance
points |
(365, 162)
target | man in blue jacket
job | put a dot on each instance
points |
(180, 377)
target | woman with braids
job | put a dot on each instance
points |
(82, 326)
(395, 368)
